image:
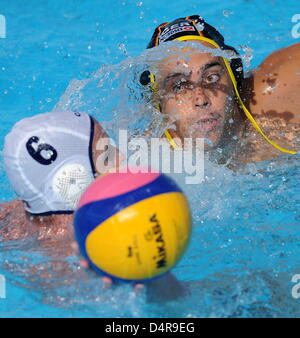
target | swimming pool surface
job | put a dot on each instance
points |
(246, 225)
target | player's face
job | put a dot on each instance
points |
(199, 91)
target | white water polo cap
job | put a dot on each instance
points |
(48, 160)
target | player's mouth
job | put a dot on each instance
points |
(208, 123)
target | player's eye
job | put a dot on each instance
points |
(212, 78)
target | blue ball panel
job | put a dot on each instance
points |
(89, 216)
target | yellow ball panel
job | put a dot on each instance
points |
(144, 240)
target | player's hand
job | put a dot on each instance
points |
(138, 288)
(106, 281)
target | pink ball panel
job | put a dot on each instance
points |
(115, 184)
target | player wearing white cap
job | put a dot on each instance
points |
(49, 160)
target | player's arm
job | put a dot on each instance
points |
(12, 219)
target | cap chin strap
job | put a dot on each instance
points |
(246, 111)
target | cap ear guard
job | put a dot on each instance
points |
(237, 68)
(147, 78)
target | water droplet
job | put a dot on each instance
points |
(122, 48)
(227, 13)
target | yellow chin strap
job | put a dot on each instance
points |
(230, 72)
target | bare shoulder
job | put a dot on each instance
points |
(271, 92)
(287, 55)
(275, 85)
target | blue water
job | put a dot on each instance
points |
(245, 244)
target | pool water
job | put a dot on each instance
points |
(246, 225)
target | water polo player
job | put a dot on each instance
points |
(255, 117)
(49, 160)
